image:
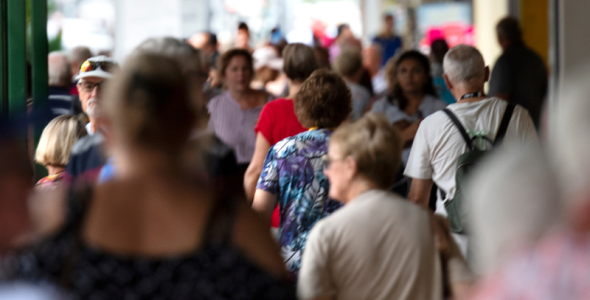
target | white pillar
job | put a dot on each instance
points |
(486, 15)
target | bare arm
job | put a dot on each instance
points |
(47, 210)
(254, 238)
(264, 203)
(255, 167)
(420, 191)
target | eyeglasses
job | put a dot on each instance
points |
(89, 86)
(327, 160)
(88, 66)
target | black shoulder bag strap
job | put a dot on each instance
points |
(504, 124)
(459, 127)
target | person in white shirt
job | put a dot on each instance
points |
(438, 143)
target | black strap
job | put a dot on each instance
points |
(504, 124)
(460, 127)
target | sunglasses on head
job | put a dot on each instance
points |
(106, 66)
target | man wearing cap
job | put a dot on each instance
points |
(91, 74)
(87, 156)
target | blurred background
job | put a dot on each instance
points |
(118, 26)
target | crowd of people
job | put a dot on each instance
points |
(295, 171)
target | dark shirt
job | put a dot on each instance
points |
(60, 101)
(521, 74)
(87, 157)
(217, 269)
(389, 45)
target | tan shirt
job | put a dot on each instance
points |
(378, 246)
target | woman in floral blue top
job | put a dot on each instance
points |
(292, 174)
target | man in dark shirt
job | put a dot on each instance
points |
(519, 75)
(59, 101)
(390, 43)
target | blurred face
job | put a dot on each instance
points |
(338, 172)
(88, 89)
(411, 76)
(238, 74)
(389, 23)
(346, 34)
(371, 59)
(243, 39)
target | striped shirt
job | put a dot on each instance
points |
(234, 126)
(60, 101)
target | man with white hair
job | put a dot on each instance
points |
(60, 101)
(92, 73)
(439, 143)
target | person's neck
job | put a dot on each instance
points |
(246, 99)
(414, 101)
(92, 121)
(136, 162)
(294, 87)
(459, 91)
(358, 187)
(54, 170)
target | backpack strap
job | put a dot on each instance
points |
(459, 127)
(504, 124)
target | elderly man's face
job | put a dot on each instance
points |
(88, 90)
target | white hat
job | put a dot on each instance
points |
(98, 66)
(267, 56)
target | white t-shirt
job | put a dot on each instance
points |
(89, 128)
(438, 143)
(379, 246)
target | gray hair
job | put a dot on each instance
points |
(59, 72)
(570, 135)
(348, 62)
(188, 58)
(464, 64)
(80, 54)
(512, 203)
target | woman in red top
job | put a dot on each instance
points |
(277, 119)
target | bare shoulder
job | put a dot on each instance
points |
(254, 239)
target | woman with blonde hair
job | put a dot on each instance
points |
(151, 232)
(53, 150)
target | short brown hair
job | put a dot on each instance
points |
(324, 100)
(226, 58)
(375, 145)
(149, 103)
(299, 61)
(57, 140)
(348, 62)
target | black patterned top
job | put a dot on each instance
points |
(217, 270)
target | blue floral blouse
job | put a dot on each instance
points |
(294, 170)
